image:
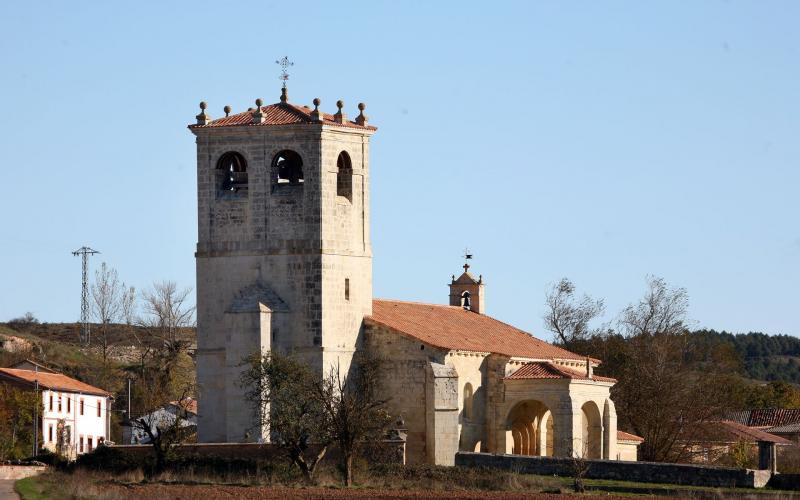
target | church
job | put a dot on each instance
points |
(284, 263)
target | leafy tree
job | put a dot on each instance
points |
(355, 413)
(306, 413)
(17, 407)
(284, 395)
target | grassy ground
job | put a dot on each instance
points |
(449, 483)
(33, 488)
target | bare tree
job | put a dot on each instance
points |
(354, 412)
(164, 431)
(567, 316)
(167, 311)
(662, 311)
(663, 393)
(284, 395)
(106, 303)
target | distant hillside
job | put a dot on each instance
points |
(765, 357)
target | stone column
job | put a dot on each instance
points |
(568, 431)
(441, 413)
(609, 431)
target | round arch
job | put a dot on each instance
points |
(592, 425)
(530, 429)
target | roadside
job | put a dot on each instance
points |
(7, 490)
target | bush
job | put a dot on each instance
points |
(23, 322)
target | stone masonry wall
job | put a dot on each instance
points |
(301, 241)
(646, 472)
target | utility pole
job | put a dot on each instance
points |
(85, 252)
(36, 416)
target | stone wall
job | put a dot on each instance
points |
(645, 472)
(15, 472)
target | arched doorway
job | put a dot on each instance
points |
(529, 429)
(592, 438)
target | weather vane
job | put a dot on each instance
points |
(284, 63)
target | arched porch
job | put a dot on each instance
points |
(530, 429)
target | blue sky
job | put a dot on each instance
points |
(602, 141)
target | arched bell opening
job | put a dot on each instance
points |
(287, 168)
(231, 174)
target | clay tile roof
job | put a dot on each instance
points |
(546, 370)
(452, 327)
(766, 417)
(52, 381)
(738, 430)
(279, 114)
(625, 436)
(188, 404)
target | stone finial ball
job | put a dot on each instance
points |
(203, 105)
(340, 104)
(226, 109)
(317, 101)
(259, 102)
(362, 106)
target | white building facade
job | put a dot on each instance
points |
(73, 411)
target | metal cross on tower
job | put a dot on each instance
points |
(284, 63)
(467, 257)
(85, 252)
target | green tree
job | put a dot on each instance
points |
(17, 408)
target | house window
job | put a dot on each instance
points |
(80, 444)
(51, 401)
(232, 174)
(81, 406)
(69, 404)
(287, 167)
(59, 403)
(344, 176)
(99, 403)
(468, 393)
(89, 444)
(347, 289)
(50, 433)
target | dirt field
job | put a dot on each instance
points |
(195, 492)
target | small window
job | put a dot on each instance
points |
(81, 406)
(51, 401)
(69, 404)
(89, 444)
(347, 289)
(50, 433)
(99, 403)
(80, 444)
(59, 403)
(231, 174)
(344, 176)
(287, 168)
(468, 401)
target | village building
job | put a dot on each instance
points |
(163, 417)
(284, 263)
(76, 412)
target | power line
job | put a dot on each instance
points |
(85, 252)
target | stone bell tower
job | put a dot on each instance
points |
(284, 261)
(468, 292)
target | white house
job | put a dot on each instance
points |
(78, 410)
(161, 418)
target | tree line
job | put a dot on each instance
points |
(671, 380)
